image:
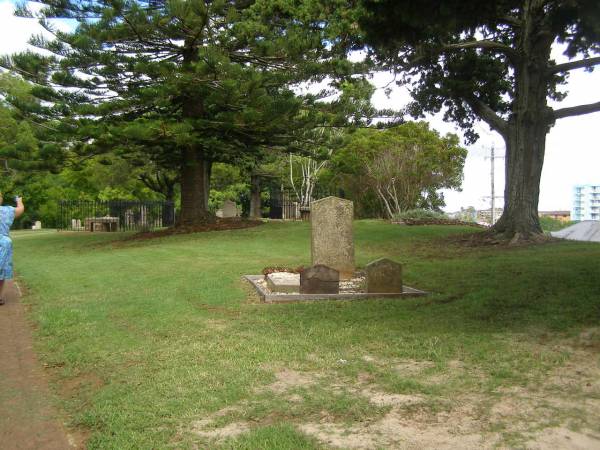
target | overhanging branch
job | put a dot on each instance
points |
(486, 44)
(487, 114)
(577, 110)
(582, 63)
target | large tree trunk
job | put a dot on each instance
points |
(195, 188)
(195, 167)
(525, 133)
(255, 206)
(525, 146)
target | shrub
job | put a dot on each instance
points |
(420, 214)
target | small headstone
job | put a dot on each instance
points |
(229, 209)
(38, 225)
(219, 213)
(383, 276)
(283, 282)
(332, 243)
(319, 279)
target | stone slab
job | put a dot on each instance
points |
(332, 242)
(283, 282)
(407, 292)
(383, 276)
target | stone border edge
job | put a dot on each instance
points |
(407, 292)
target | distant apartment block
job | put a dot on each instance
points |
(586, 202)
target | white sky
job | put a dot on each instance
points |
(572, 146)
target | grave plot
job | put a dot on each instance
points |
(332, 275)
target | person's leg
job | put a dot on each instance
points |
(1, 288)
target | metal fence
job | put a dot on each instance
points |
(115, 215)
(284, 204)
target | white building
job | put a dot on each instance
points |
(586, 202)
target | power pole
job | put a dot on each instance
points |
(493, 197)
(493, 209)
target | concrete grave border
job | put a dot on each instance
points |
(407, 292)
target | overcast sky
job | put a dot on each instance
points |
(572, 149)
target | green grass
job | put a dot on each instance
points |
(146, 338)
(550, 224)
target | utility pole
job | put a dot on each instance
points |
(493, 209)
(493, 197)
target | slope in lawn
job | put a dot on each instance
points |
(159, 343)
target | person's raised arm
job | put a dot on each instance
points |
(20, 209)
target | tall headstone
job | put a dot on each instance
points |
(332, 243)
(319, 279)
(383, 276)
(229, 209)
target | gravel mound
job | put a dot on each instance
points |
(588, 230)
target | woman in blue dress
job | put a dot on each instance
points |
(7, 216)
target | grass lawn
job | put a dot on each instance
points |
(160, 344)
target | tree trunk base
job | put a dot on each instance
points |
(515, 238)
(208, 219)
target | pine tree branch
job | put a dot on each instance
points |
(485, 44)
(487, 114)
(577, 110)
(511, 20)
(588, 62)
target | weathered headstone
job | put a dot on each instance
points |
(229, 209)
(283, 282)
(319, 279)
(37, 225)
(332, 243)
(383, 276)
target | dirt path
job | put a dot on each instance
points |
(27, 419)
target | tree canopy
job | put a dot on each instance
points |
(491, 61)
(182, 84)
(405, 166)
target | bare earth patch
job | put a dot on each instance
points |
(287, 379)
(204, 427)
(561, 412)
(562, 438)
(406, 426)
(29, 419)
(229, 430)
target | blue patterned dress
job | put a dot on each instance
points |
(7, 216)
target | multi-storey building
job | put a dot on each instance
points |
(586, 202)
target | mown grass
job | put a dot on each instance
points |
(147, 337)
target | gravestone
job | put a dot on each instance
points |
(37, 225)
(383, 276)
(332, 243)
(283, 282)
(319, 279)
(229, 209)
